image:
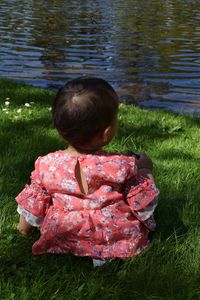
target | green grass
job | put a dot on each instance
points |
(170, 269)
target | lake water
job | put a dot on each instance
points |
(148, 50)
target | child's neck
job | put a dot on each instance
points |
(71, 150)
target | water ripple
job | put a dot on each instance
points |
(149, 51)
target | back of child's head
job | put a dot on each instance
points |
(83, 108)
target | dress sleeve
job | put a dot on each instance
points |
(33, 201)
(141, 195)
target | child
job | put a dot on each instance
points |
(84, 200)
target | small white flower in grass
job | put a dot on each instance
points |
(7, 103)
(4, 109)
(27, 105)
(49, 109)
(19, 110)
(32, 102)
(7, 98)
(6, 112)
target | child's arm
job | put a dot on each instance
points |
(145, 166)
(23, 227)
(33, 203)
(146, 173)
(144, 162)
(141, 192)
(142, 199)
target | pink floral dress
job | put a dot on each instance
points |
(112, 220)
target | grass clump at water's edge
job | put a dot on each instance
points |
(170, 269)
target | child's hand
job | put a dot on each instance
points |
(24, 228)
(144, 162)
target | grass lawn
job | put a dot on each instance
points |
(170, 269)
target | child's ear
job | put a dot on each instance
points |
(107, 134)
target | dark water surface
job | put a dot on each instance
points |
(148, 50)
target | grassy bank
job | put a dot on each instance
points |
(170, 269)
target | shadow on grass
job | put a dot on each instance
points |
(75, 277)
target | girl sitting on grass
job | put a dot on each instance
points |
(83, 199)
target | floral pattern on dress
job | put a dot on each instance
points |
(106, 223)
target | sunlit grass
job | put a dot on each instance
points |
(170, 269)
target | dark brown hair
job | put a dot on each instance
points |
(83, 108)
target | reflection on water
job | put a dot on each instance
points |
(148, 50)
